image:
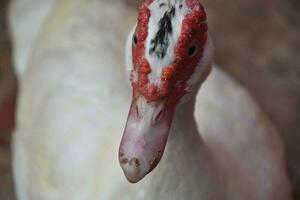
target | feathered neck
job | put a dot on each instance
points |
(187, 159)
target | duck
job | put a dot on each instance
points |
(72, 139)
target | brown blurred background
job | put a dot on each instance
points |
(256, 41)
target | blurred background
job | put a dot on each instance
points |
(257, 42)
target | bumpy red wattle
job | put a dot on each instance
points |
(141, 65)
(174, 77)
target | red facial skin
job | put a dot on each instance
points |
(175, 76)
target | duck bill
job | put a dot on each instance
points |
(145, 137)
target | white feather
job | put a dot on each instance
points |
(157, 13)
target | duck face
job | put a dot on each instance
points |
(165, 54)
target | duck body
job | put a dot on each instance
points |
(71, 109)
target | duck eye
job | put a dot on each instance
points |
(134, 39)
(192, 50)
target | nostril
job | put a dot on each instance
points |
(159, 116)
(136, 111)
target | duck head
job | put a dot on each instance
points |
(167, 58)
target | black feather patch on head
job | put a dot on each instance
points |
(160, 43)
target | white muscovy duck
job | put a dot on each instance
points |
(73, 102)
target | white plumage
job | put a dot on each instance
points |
(73, 103)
